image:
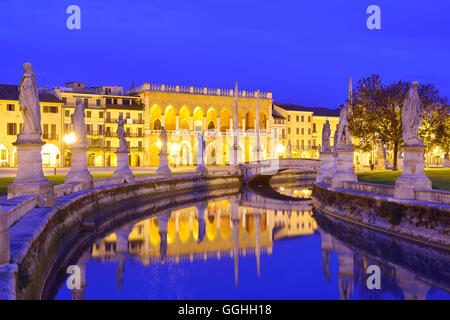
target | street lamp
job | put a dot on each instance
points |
(70, 138)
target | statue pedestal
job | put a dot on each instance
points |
(123, 170)
(235, 155)
(326, 165)
(344, 168)
(201, 168)
(30, 177)
(413, 175)
(164, 165)
(78, 170)
(446, 161)
(257, 154)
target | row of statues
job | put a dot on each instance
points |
(412, 117)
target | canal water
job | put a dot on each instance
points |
(249, 246)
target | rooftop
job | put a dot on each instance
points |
(11, 92)
(315, 110)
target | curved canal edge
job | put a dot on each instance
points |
(419, 221)
(36, 239)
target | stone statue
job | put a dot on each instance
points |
(121, 135)
(163, 137)
(29, 102)
(335, 141)
(343, 132)
(326, 132)
(412, 115)
(78, 122)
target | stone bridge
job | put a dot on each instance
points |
(274, 166)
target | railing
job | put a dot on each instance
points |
(133, 121)
(48, 136)
(200, 91)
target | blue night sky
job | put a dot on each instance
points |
(302, 51)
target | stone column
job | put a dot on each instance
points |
(163, 167)
(78, 294)
(219, 148)
(147, 131)
(177, 123)
(326, 248)
(345, 273)
(326, 165)
(78, 170)
(236, 150)
(258, 213)
(201, 218)
(30, 177)
(344, 168)
(235, 219)
(201, 168)
(413, 175)
(163, 220)
(257, 151)
(123, 170)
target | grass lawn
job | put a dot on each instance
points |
(439, 177)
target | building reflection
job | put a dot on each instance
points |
(215, 230)
(239, 227)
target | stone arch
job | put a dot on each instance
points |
(211, 118)
(249, 120)
(51, 156)
(224, 119)
(155, 114)
(170, 118)
(262, 121)
(184, 118)
(210, 154)
(198, 118)
(185, 153)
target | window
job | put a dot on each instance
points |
(303, 130)
(289, 118)
(88, 114)
(66, 127)
(298, 144)
(314, 127)
(126, 102)
(64, 100)
(100, 114)
(3, 155)
(115, 101)
(10, 107)
(53, 109)
(140, 144)
(297, 118)
(46, 109)
(86, 102)
(309, 118)
(303, 118)
(303, 144)
(309, 130)
(108, 101)
(314, 143)
(140, 132)
(11, 129)
(53, 131)
(140, 117)
(99, 102)
(128, 115)
(297, 130)
(289, 130)
(66, 113)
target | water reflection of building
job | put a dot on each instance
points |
(216, 230)
(352, 268)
